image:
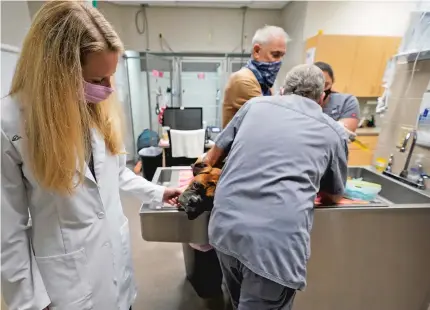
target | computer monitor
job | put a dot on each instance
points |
(183, 118)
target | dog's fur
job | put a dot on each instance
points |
(208, 177)
(199, 195)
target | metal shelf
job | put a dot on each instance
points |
(411, 56)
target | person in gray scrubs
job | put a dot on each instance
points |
(279, 152)
(341, 107)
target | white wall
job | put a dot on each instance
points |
(34, 6)
(293, 21)
(15, 22)
(303, 19)
(385, 18)
(189, 29)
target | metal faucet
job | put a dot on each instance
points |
(423, 176)
(389, 167)
(413, 134)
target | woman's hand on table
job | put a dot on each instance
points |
(171, 195)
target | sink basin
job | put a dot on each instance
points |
(393, 192)
(166, 223)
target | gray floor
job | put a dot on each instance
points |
(160, 271)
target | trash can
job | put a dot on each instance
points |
(152, 158)
(203, 271)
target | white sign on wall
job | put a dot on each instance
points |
(423, 122)
(310, 56)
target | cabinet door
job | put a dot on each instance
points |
(367, 67)
(360, 158)
(339, 52)
(369, 141)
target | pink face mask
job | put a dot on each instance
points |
(96, 93)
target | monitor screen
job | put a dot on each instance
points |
(183, 118)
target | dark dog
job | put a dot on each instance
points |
(199, 195)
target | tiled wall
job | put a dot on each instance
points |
(403, 111)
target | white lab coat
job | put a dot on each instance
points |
(76, 255)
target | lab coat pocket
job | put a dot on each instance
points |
(127, 265)
(66, 278)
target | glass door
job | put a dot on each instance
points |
(158, 80)
(122, 88)
(235, 64)
(202, 83)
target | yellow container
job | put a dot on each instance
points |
(380, 164)
(164, 134)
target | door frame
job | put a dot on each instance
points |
(147, 56)
(177, 59)
(233, 60)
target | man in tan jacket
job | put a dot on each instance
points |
(257, 77)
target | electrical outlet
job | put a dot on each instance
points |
(404, 130)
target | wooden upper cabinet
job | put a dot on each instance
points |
(370, 62)
(367, 67)
(358, 61)
(339, 52)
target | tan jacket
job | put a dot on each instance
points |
(241, 87)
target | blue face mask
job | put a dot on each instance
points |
(265, 72)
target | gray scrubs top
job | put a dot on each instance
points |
(281, 151)
(342, 106)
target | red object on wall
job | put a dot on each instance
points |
(201, 76)
(155, 73)
(160, 115)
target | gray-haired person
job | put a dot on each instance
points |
(282, 151)
(257, 77)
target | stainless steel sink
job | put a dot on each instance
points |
(166, 223)
(393, 192)
(167, 177)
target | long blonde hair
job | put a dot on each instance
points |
(49, 83)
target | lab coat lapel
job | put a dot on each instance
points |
(99, 152)
(87, 172)
(98, 149)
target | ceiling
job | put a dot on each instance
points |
(209, 4)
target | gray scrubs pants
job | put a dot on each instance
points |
(249, 291)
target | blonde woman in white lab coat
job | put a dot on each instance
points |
(63, 162)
